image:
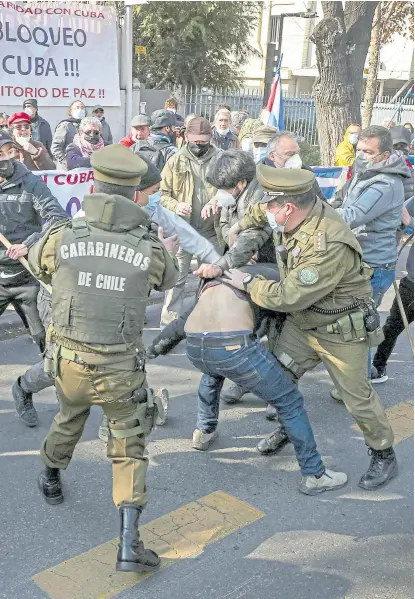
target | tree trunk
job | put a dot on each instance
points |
(341, 49)
(372, 77)
(374, 61)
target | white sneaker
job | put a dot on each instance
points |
(335, 394)
(310, 485)
(202, 439)
(163, 394)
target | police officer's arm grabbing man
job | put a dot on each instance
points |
(325, 291)
(102, 268)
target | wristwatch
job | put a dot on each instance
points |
(246, 281)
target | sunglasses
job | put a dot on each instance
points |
(3, 127)
(99, 112)
(22, 126)
(91, 132)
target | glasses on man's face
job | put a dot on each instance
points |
(3, 127)
(22, 126)
(99, 112)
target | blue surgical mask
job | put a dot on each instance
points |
(273, 223)
(153, 202)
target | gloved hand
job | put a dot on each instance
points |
(235, 278)
(159, 348)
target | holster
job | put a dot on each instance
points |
(350, 327)
(149, 407)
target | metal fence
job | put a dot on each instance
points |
(299, 111)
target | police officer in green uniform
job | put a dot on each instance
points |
(326, 293)
(102, 268)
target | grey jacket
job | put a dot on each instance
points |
(106, 132)
(409, 205)
(63, 136)
(190, 240)
(42, 132)
(25, 201)
(408, 182)
(372, 207)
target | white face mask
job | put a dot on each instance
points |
(225, 199)
(28, 111)
(78, 113)
(223, 131)
(353, 137)
(259, 154)
(294, 162)
(22, 140)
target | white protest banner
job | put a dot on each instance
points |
(69, 187)
(57, 53)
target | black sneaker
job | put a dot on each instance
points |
(383, 467)
(378, 375)
(274, 443)
(24, 405)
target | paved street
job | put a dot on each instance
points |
(247, 533)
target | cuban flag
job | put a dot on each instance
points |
(330, 179)
(275, 105)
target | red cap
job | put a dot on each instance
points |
(18, 117)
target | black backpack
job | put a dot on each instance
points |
(150, 154)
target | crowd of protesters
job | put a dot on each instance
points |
(189, 192)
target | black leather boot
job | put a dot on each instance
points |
(132, 557)
(24, 404)
(49, 483)
(274, 443)
(383, 467)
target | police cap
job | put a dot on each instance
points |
(118, 165)
(283, 181)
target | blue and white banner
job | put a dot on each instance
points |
(330, 179)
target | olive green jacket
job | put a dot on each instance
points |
(178, 185)
(323, 267)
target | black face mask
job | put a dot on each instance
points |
(198, 150)
(93, 138)
(6, 168)
(173, 137)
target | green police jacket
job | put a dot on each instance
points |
(102, 270)
(322, 268)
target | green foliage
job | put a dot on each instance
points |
(194, 43)
(398, 18)
(310, 155)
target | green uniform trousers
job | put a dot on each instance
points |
(299, 351)
(76, 396)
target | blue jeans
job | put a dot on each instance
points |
(254, 368)
(381, 281)
(383, 278)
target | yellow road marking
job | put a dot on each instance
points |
(183, 533)
(401, 418)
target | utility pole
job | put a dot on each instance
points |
(274, 49)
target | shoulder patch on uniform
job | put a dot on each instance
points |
(320, 244)
(308, 275)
